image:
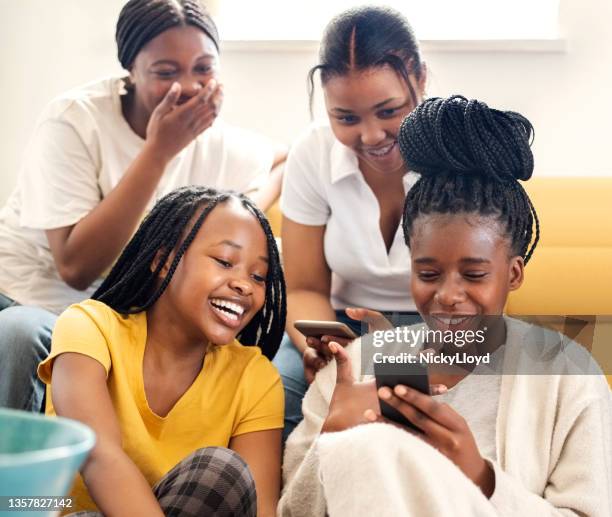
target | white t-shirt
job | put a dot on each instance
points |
(80, 150)
(324, 186)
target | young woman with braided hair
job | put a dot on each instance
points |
(528, 435)
(344, 187)
(99, 158)
(154, 365)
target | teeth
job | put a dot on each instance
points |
(382, 151)
(451, 321)
(237, 309)
(227, 314)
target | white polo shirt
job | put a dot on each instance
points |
(81, 147)
(324, 186)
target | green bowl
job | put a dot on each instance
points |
(39, 457)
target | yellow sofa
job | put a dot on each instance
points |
(275, 218)
(571, 271)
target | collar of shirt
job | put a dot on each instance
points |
(344, 163)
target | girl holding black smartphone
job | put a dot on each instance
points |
(514, 443)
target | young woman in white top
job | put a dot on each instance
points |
(535, 440)
(344, 186)
(99, 158)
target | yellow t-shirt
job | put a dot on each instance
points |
(237, 391)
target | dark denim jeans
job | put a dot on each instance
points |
(6, 302)
(25, 341)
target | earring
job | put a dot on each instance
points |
(128, 83)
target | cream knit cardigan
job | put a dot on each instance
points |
(553, 437)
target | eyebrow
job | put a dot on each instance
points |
(376, 106)
(227, 242)
(174, 63)
(381, 104)
(468, 260)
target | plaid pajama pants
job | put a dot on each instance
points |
(211, 481)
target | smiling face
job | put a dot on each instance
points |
(182, 54)
(220, 282)
(366, 109)
(462, 269)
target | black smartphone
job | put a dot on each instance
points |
(322, 328)
(413, 375)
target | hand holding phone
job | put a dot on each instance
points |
(317, 354)
(440, 425)
(412, 375)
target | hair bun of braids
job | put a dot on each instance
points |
(461, 136)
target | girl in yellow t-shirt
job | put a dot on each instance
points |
(153, 365)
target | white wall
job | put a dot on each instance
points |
(49, 46)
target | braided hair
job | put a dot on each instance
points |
(132, 287)
(142, 20)
(470, 158)
(367, 37)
